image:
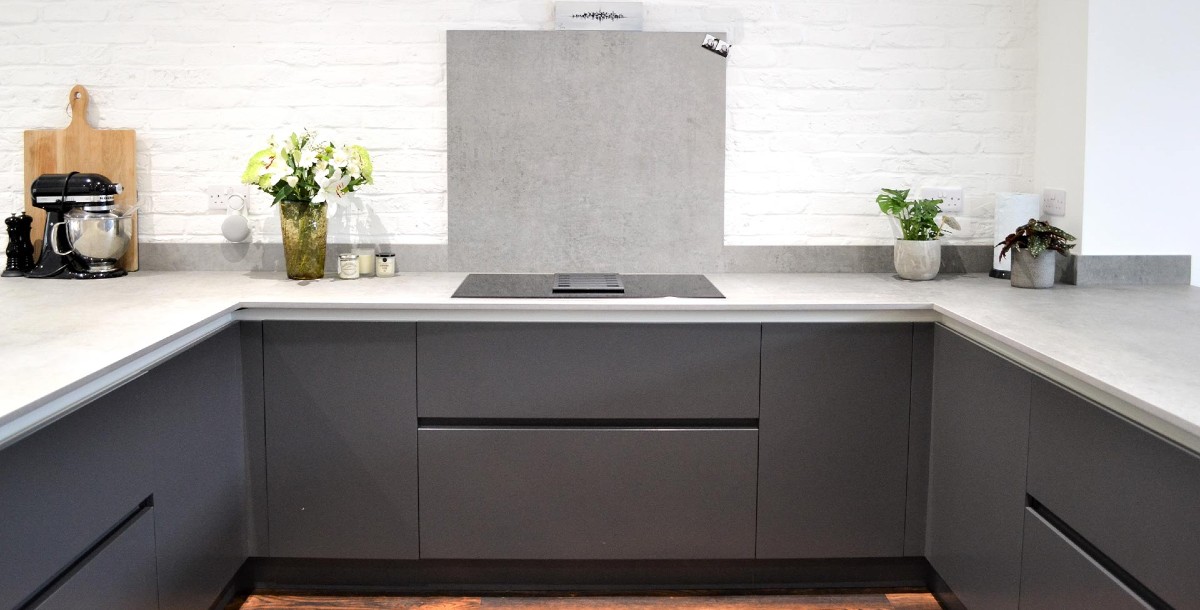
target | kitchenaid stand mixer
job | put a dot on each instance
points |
(84, 238)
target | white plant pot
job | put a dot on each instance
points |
(918, 260)
(1029, 271)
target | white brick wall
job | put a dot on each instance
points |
(828, 101)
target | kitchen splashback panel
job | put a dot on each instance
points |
(585, 151)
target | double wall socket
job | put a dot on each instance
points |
(951, 196)
(1054, 202)
(219, 196)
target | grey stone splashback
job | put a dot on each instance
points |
(411, 257)
(1080, 270)
(1099, 270)
(585, 151)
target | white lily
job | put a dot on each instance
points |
(306, 157)
(341, 157)
(276, 169)
(330, 186)
(354, 169)
(291, 180)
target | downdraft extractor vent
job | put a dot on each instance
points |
(588, 282)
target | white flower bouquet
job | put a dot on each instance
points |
(307, 170)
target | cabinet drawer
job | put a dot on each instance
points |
(587, 493)
(1057, 575)
(1130, 493)
(63, 487)
(580, 371)
(119, 576)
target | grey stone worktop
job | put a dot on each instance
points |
(1135, 349)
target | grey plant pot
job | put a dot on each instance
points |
(1029, 271)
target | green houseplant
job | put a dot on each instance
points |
(302, 174)
(1029, 243)
(918, 253)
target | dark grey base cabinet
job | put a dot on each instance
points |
(587, 493)
(120, 576)
(834, 424)
(1057, 575)
(341, 439)
(977, 456)
(1127, 491)
(173, 436)
(576, 443)
(200, 487)
(63, 488)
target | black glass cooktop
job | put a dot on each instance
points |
(542, 286)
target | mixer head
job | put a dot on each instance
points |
(63, 192)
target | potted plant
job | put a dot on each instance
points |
(918, 253)
(1028, 243)
(302, 174)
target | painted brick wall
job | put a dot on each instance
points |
(827, 101)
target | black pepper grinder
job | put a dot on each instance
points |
(20, 247)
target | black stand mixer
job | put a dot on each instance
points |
(95, 231)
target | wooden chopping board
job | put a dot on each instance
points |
(82, 148)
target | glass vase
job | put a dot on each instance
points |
(304, 226)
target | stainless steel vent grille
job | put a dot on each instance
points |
(588, 282)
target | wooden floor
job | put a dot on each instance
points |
(806, 601)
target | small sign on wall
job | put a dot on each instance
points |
(582, 15)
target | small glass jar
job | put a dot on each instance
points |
(348, 266)
(385, 264)
(366, 260)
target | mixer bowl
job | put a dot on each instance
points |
(100, 239)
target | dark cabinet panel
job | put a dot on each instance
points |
(978, 448)
(200, 492)
(1057, 575)
(1133, 495)
(120, 576)
(920, 410)
(341, 431)
(63, 487)
(834, 440)
(557, 371)
(587, 493)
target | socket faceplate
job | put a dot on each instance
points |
(1054, 202)
(951, 196)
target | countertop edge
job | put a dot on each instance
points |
(26, 420)
(1153, 418)
(36, 415)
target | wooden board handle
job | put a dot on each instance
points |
(79, 106)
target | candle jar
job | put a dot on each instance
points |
(366, 260)
(348, 266)
(385, 264)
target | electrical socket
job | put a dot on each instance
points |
(951, 196)
(219, 196)
(1054, 202)
(216, 197)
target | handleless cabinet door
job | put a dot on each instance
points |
(1132, 494)
(1057, 575)
(63, 487)
(341, 429)
(978, 448)
(200, 490)
(833, 440)
(587, 493)
(588, 371)
(120, 576)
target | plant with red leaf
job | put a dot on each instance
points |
(1037, 236)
